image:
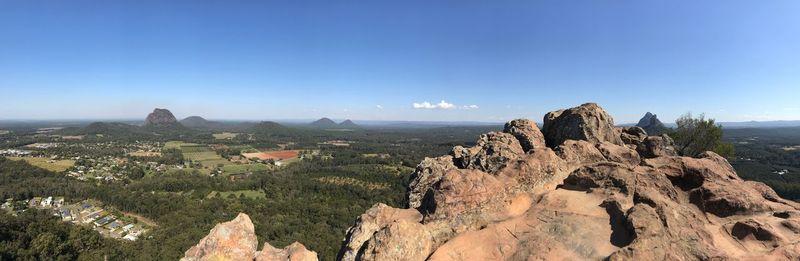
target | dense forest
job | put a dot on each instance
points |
(313, 201)
(763, 153)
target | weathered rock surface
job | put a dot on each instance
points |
(656, 146)
(293, 252)
(526, 131)
(599, 193)
(587, 122)
(376, 218)
(632, 135)
(160, 117)
(236, 240)
(493, 151)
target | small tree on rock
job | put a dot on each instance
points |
(694, 136)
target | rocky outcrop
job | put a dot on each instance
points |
(160, 117)
(293, 252)
(526, 131)
(599, 193)
(236, 240)
(632, 136)
(493, 151)
(370, 222)
(587, 122)
(656, 146)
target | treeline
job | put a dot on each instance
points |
(297, 207)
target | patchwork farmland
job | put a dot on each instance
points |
(273, 155)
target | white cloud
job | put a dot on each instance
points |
(380, 107)
(469, 107)
(441, 105)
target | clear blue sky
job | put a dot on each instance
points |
(489, 60)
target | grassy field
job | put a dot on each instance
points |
(242, 168)
(45, 163)
(243, 148)
(255, 194)
(186, 148)
(176, 144)
(210, 159)
(225, 135)
(173, 171)
(201, 156)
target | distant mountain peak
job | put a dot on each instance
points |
(651, 124)
(194, 118)
(324, 123)
(160, 117)
(348, 123)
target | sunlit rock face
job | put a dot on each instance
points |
(579, 189)
(236, 240)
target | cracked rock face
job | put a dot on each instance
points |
(599, 193)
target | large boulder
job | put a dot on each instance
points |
(427, 173)
(587, 122)
(401, 240)
(492, 153)
(526, 131)
(632, 135)
(376, 218)
(656, 146)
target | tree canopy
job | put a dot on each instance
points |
(694, 136)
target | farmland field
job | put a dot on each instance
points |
(195, 148)
(243, 148)
(45, 163)
(201, 156)
(242, 168)
(225, 135)
(277, 155)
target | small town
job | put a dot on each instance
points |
(109, 223)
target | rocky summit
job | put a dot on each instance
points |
(160, 117)
(236, 240)
(594, 192)
(579, 189)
